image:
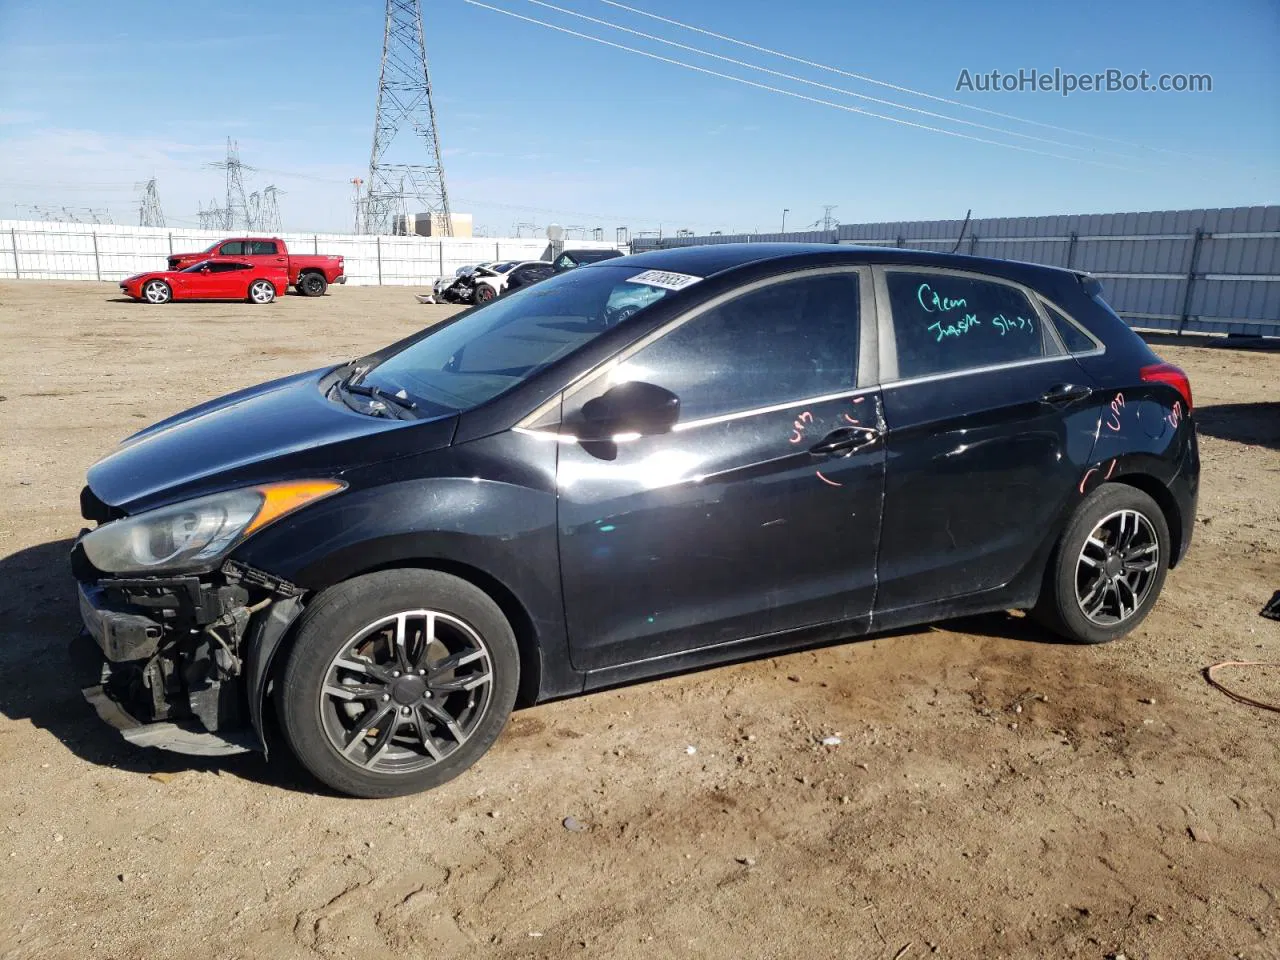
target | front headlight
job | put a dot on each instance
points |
(197, 531)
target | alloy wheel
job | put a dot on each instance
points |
(156, 292)
(406, 691)
(262, 292)
(1116, 567)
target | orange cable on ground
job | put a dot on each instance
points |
(1209, 675)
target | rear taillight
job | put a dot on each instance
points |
(1172, 375)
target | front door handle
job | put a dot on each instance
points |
(846, 440)
(1062, 393)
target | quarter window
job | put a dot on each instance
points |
(1076, 340)
(787, 341)
(945, 322)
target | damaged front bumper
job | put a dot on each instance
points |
(182, 661)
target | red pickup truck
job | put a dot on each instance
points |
(309, 275)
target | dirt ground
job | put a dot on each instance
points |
(994, 794)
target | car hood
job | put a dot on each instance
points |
(274, 431)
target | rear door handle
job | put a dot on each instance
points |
(846, 440)
(1061, 393)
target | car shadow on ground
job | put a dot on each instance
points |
(1253, 423)
(38, 619)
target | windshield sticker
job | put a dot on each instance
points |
(665, 279)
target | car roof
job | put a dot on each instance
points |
(710, 259)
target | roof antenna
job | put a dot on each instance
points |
(963, 227)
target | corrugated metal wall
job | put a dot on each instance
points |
(1209, 271)
(39, 250)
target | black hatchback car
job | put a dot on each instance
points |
(636, 467)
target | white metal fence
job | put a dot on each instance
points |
(41, 250)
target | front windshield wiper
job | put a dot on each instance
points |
(375, 393)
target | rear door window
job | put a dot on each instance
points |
(946, 322)
(262, 248)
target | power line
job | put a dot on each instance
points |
(815, 83)
(884, 83)
(791, 93)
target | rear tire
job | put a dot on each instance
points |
(366, 699)
(1108, 568)
(262, 291)
(312, 285)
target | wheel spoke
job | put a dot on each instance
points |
(462, 683)
(442, 716)
(366, 668)
(367, 724)
(422, 725)
(428, 638)
(355, 691)
(1134, 552)
(402, 654)
(1100, 593)
(383, 740)
(1096, 544)
(1134, 566)
(1089, 561)
(453, 662)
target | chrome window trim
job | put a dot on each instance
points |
(970, 371)
(587, 379)
(772, 408)
(721, 418)
(1099, 347)
(888, 331)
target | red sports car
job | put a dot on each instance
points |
(217, 278)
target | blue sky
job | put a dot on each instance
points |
(540, 126)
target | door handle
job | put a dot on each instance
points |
(846, 440)
(1061, 393)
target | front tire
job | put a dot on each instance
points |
(312, 285)
(485, 293)
(1109, 567)
(397, 682)
(262, 291)
(157, 292)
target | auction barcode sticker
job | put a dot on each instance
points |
(664, 279)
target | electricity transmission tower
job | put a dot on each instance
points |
(269, 216)
(828, 221)
(149, 212)
(404, 101)
(237, 209)
(212, 218)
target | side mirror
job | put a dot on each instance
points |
(632, 407)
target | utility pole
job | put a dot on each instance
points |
(405, 103)
(785, 211)
(149, 212)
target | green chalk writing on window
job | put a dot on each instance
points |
(966, 323)
(932, 302)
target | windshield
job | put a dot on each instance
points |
(493, 349)
(210, 248)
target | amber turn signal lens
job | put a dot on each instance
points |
(279, 499)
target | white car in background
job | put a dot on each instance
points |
(490, 279)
